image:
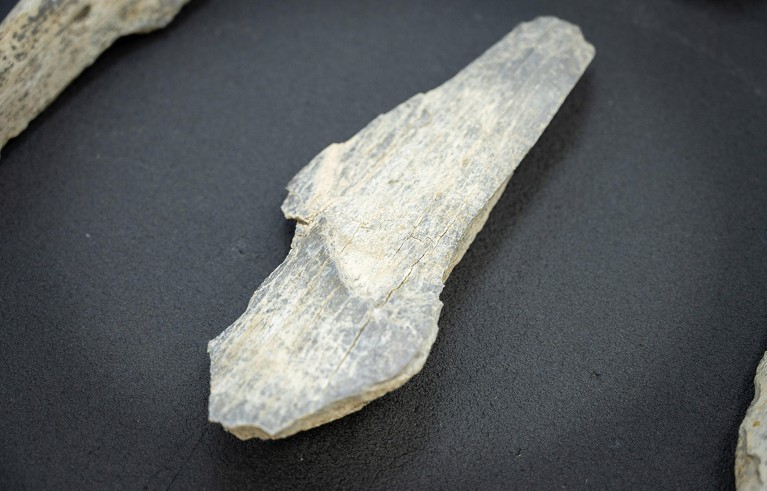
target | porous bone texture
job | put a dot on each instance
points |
(381, 220)
(45, 44)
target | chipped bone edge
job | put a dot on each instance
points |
(344, 407)
(340, 408)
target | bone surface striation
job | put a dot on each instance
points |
(382, 219)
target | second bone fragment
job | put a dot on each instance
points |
(45, 44)
(382, 219)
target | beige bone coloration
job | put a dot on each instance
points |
(751, 452)
(45, 44)
(381, 220)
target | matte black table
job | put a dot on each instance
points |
(602, 331)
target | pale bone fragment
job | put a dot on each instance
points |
(45, 44)
(751, 452)
(381, 220)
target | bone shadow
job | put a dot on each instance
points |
(552, 148)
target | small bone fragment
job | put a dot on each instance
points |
(45, 44)
(381, 220)
(751, 452)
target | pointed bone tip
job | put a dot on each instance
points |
(212, 346)
(234, 411)
(248, 432)
(551, 21)
(236, 425)
(256, 426)
(250, 424)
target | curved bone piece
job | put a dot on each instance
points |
(381, 220)
(751, 452)
(45, 44)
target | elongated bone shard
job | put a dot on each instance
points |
(45, 44)
(381, 220)
(751, 452)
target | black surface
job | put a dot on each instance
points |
(602, 331)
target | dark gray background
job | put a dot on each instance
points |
(602, 331)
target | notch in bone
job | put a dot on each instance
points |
(45, 44)
(381, 220)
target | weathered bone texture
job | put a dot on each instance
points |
(381, 220)
(45, 44)
(751, 452)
